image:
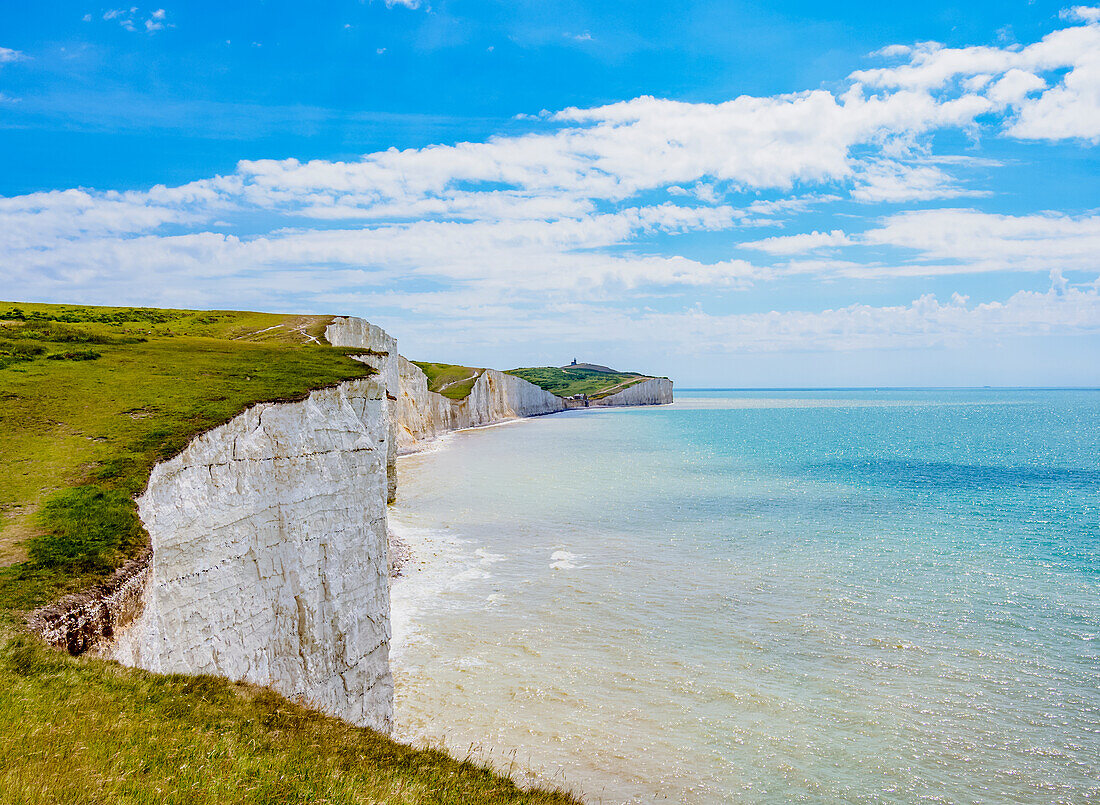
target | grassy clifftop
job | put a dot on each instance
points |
(90, 399)
(570, 380)
(453, 382)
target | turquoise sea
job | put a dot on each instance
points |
(765, 596)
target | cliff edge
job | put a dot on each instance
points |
(419, 414)
(270, 556)
(655, 391)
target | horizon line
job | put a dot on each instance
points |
(890, 388)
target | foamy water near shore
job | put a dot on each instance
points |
(861, 597)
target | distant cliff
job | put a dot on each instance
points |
(495, 397)
(655, 391)
(420, 414)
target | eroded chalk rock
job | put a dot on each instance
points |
(656, 391)
(270, 558)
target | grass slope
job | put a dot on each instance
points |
(90, 399)
(450, 380)
(83, 730)
(577, 380)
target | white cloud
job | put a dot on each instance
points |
(925, 322)
(7, 55)
(892, 52)
(124, 17)
(1082, 13)
(890, 181)
(42, 221)
(798, 244)
(933, 66)
(129, 19)
(1069, 109)
(985, 241)
(1015, 86)
(949, 241)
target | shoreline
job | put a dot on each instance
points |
(433, 563)
(401, 552)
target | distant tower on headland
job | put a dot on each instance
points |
(574, 363)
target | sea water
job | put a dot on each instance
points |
(818, 596)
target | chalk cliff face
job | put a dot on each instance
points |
(495, 397)
(418, 414)
(380, 353)
(656, 391)
(421, 414)
(270, 559)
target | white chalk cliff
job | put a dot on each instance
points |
(655, 391)
(380, 353)
(419, 414)
(495, 397)
(270, 555)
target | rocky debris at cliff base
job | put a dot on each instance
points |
(400, 555)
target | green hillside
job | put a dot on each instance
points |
(450, 380)
(90, 399)
(566, 382)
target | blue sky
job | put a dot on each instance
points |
(727, 193)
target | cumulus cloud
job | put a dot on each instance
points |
(7, 55)
(948, 241)
(1070, 108)
(1014, 87)
(924, 322)
(985, 241)
(884, 180)
(798, 244)
(133, 19)
(1081, 13)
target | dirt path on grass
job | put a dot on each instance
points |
(474, 376)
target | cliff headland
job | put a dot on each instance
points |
(204, 493)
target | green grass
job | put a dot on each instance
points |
(80, 436)
(84, 730)
(450, 380)
(572, 380)
(81, 433)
